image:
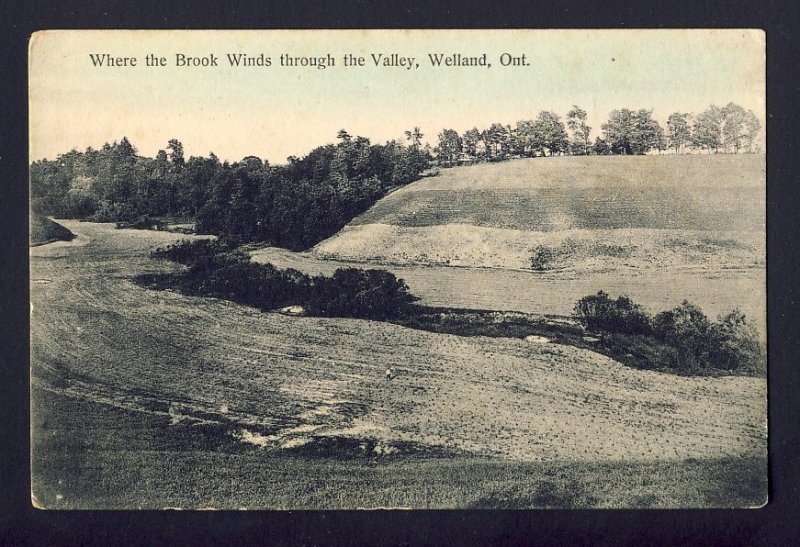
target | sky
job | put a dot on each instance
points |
(277, 111)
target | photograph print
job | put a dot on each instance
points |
(429, 269)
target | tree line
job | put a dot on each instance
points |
(294, 205)
(728, 129)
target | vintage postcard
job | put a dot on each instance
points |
(398, 269)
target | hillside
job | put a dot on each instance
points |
(582, 212)
(201, 379)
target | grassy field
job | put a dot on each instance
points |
(658, 228)
(591, 212)
(721, 192)
(90, 455)
(555, 292)
(150, 399)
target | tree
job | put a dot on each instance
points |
(733, 130)
(470, 141)
(678, 131)
(351, 292)
(549, 133)
(176, 153)
(688, 329)
(752, 127)
(497, 140)
(599, 312)
(601, 147)
(707, 129)
(629, 132)
(735, 345)
(617, 131)
(576, 122)
(414, 137)
(647, 132)
(449, 146)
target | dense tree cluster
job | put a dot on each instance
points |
(293, 206)
(220, 270)
(682, 339)
(730, 129)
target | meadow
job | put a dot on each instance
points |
(151, 399)
(658, 228)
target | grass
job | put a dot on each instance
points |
(43, 231)
(477, 421)
(272, 288)
(92, 456)
(653, 192)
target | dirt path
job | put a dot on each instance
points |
(277, 381)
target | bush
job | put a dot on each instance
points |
(191, 251)
(352, 292)
(735, 345)
(215, 269)
(599, 312)
(542, 257)
(682, 339)
(688, 329)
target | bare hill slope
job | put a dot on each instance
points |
(649, 211)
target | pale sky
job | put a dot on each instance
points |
(274, 112)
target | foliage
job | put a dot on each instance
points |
(542, 257)
(735, 345)
(352, 292)
(294, 206)
(219, 270)
(629, 132)
(576, 121)
(682, 339)
(449, 148)
(190, 251)
(599, 312)
(678, 131)
(43, 230)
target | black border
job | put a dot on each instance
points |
(777, 523)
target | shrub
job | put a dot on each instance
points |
(191, 251)
(216, 269)
(599, 312)
(735, 345)
(731, 344)
(352, 292)
(687, 329)
(542, 257)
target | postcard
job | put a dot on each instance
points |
(406, 269)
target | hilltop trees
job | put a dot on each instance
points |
(678, 131)
(707, 130)
(751, 129)
(496, 140)
(549, 134)
(576, 121)
(293, 206)
(449, 148)
(628, 132)
(730, 129)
